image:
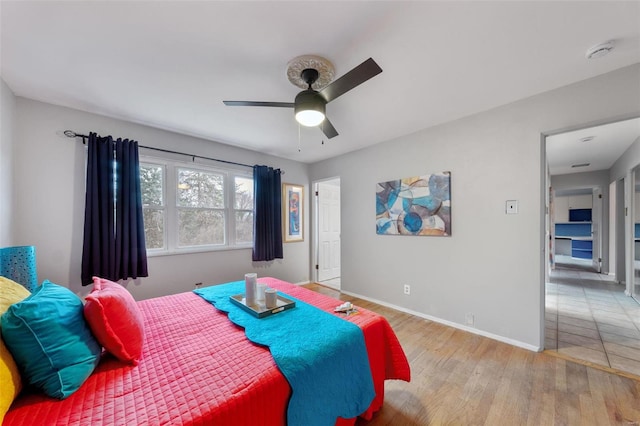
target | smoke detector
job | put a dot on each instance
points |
(599, 50)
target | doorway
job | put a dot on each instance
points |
(327, 232)
(577, 225)
(588, 315)
(635, 234)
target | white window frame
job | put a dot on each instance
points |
(171, 209)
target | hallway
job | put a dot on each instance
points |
(588, 317)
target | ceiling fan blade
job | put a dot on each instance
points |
(353, 78)
(328, 129)
(259, 104)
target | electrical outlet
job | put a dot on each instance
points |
(407, 289)
(469, 319)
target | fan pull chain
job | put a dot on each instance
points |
(299, 149)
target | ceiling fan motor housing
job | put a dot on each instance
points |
(310, 100)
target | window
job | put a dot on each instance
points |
(153, 207)
(243, 209)
(205, 208)
(201, 208)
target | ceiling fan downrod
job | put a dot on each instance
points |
(309, 75)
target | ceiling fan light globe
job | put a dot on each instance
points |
(309, 117)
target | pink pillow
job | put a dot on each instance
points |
(115, 320)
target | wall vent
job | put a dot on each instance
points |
(581, 165)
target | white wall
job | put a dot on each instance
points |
(492, 265)
(49, 213)
(7, 118)
(627, 161)
(620, 173)
(580, 180)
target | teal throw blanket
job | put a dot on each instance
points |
(323, 357)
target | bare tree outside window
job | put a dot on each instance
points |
(243, 205)
(204, 207)
(153, 211)
(200, 201)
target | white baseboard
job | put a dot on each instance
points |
(506, 340)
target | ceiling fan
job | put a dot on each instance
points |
(315, 72)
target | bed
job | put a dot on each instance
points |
(198, 368)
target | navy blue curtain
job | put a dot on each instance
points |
(267, 214)
(114, 246)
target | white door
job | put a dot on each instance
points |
(551, 232)
(596, 237)
(328, 230)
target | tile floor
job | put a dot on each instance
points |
(589, 317)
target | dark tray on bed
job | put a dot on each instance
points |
(259, 309)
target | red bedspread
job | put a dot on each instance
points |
(198, 368)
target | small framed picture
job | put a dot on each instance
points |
(292, 204)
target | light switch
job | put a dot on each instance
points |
(512, 206)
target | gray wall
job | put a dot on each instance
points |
(7, 118)
(492, 265)
(49, 175)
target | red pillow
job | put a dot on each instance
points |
(115, 320)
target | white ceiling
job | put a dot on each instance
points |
(598, 146)
(169, 64)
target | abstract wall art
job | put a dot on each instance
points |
(418, 205)
(292, 204)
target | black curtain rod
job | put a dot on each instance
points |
(72, 134)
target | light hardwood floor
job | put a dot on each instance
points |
(459, 378)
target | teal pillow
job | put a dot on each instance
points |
(50, 341)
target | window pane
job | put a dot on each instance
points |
(151, 184)
(243, 199)
(200, 189)
(244, 227)
(153, 228)
(200, 227)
